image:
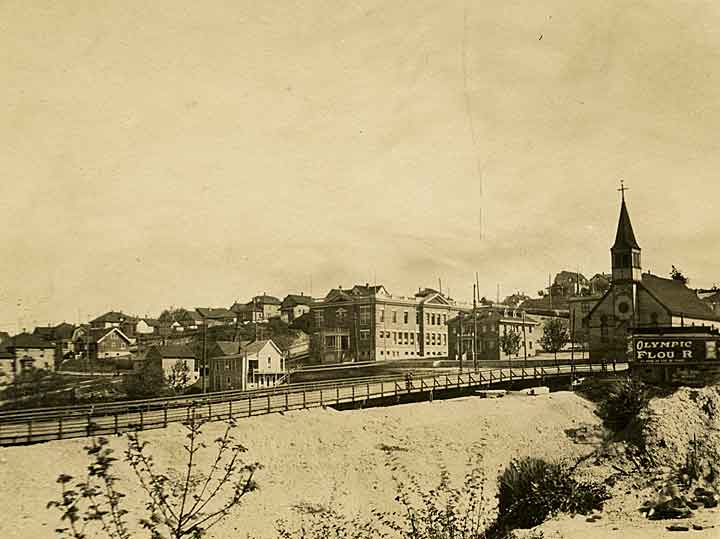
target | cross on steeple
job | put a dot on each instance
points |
(623, 189)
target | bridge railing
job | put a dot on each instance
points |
(115, 418)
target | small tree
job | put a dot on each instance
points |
(510, 343)
(148, 381)
(179, 505)
(678, 275)
(180, 376)
(555, 336)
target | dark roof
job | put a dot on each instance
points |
(546, 302)
(113, 317)
(215, 313)
(4, 335)
(228, 348)
(570, 277)
(291, 300)
(60, 332)
(606, 276)
(625, 237)
(180, 351)
(245, 307)
(677, 298)
(28, 340)
(265, 299)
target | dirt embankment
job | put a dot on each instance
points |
(319, 458)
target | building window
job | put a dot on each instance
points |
(382, 315)
(365, 315)
(427, 339)
(405, 317)
(394, 318)
(412, 337)
(427, 318)
(319, 319)
(364, 334)
(395, 337)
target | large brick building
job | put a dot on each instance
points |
(486, 326)
(637, 300)
(367, 323)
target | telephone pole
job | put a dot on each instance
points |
(474, 345)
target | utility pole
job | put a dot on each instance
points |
(474, 345)
(460, 355)
(524, 338)
(572, 351)
(204, 357)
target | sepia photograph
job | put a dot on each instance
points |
(359, 269)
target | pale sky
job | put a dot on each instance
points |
(194, 153)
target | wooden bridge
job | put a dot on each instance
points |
(44, 424)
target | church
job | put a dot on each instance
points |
(636, 299)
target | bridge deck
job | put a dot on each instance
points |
(38, 425)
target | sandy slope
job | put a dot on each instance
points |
(321, 456)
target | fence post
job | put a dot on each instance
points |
(321, 398)
(268, 407)
(287, 404)
(142, 420)
(304, 400)
(115, 422)
(230, 409)
(209, 411)
(89, 421)
(29, 435)
(382, 390)
(337, 394)
(249, 405)
(368, 391)
(60, 428)
(165, 415)
(353, 393)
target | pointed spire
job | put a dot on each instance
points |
(625, 237)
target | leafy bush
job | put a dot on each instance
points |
(622, 403)
(443, 512)
(530, 490)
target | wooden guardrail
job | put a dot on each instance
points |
(37, 425)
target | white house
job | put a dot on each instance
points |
(266, 363)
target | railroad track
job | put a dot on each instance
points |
(39, 425)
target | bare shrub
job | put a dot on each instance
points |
(179, 505)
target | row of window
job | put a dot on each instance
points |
(409, 337)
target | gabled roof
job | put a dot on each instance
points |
(434, 297)
(28, 340)
(173, 351)
(113, 317)
(215, 313)
(367, 290)
(291, 300)
(677, 298)
(266, 300)
(255, 346)
(605, 276)
(227, 348)
(625, 237)
(189, 316)
(100, 335)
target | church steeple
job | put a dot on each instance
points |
(626, 251)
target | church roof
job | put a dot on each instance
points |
(625, 237)
(677, 298)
